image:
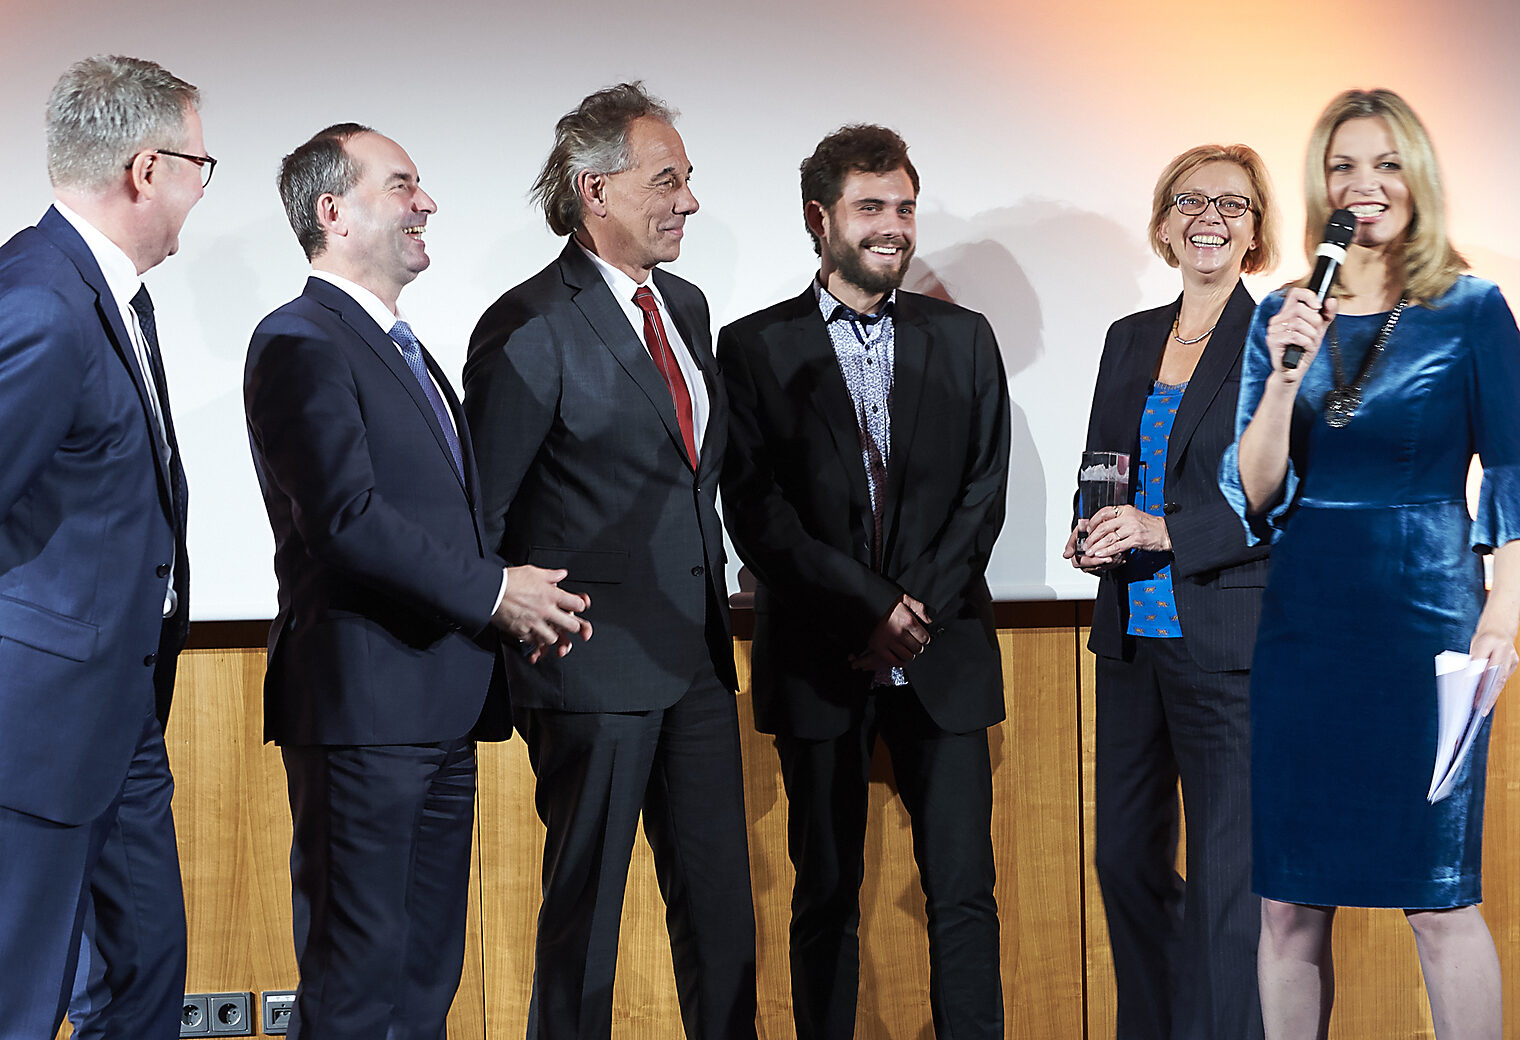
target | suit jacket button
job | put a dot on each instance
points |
(698, 571)
(150, 659)
(162, 570)
(1169, 508)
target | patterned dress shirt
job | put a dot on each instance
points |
(863, 345)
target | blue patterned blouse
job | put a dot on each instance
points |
(1152, 609)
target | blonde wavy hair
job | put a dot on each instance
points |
(1431, 265)
(1263, 257)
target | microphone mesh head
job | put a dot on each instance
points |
(1341, 228)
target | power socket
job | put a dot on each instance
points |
(278, 1004)
(230, 1014)
(195, 1015)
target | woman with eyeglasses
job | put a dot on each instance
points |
(1175, 618)
(1353, 465)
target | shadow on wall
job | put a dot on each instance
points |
(986, 270)
(1001, 263)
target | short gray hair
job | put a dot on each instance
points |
(321, 166)
(106, 109)
(592, 139)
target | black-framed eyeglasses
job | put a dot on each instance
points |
(205, 162)
(1192, 203)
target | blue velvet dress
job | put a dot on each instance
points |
(1373, 573)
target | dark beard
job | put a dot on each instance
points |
(851, 268)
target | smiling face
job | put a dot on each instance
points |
(867, 236)
(1207, 244)
(638, 218)
(1363, 173)
(379, 223)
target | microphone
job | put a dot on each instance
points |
(1331, 253)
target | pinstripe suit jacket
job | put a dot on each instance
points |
(1217, 579)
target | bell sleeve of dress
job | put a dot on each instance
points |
(1256, 366)
(1495, 418)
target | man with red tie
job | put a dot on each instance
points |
(600, 423)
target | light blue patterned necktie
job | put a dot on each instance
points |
(411, 350)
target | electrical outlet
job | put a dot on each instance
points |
(278, 1004)
(195, 1015)
(229, 1014)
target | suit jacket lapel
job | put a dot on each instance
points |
(466, 445)
(806, 336)
(1142, 357)
(379, 341)
(912, 342)
(1219, 358)
(612, 327)
(62, 234)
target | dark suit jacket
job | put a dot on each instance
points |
(385, 588)
(88, 531)
(583, 467)
(798, 508)
(1217, 579)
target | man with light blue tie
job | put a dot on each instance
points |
(380, 672)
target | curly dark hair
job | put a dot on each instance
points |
(859, 147)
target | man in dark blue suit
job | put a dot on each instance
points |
(380, 659)
(93, 573)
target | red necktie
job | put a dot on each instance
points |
(665, 360)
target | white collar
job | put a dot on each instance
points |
(618, 281)
(117, 267)
(378, 311)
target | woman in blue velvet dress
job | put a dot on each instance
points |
(1353, 464)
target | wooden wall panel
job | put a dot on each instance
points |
(233, 821)
(234, 833)
(1099, 963)
(1501, 846)
(1037, 832)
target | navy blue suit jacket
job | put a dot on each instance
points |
(584, 468)
(88, 534)
(386, 591)
(798, 507)
(1217, 579)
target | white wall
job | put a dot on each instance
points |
(1038, 133)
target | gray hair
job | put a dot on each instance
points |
(321, 166)
(106, 109)
(591, 139)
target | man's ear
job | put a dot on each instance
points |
(592, 188)
(146, 167)
(329, 212)
(817, 218)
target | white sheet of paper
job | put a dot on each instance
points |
(1461, 712)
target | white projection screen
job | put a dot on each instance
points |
(1038, 130)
